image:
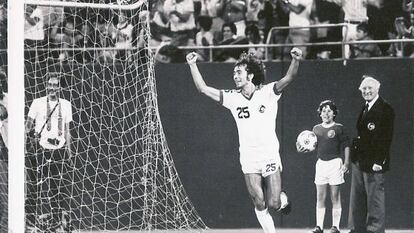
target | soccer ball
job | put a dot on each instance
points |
(308, 140)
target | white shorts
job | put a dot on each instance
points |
(265, 167)
(329, 172)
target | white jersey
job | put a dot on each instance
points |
(256, 122)
(38, 112)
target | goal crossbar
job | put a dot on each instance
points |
(86, 5)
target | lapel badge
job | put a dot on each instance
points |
(371, 126)
(331, 133)
(262, 108)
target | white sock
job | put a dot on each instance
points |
(336, 217)
(283, 200)
(320, 216)
(265, 220)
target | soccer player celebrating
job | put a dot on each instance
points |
(329, 169)
(254, 108)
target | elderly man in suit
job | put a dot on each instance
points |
(370, 160)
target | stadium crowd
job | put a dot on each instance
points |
(176, 23)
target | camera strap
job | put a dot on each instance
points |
(48, 118)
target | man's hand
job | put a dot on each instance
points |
(376, 167)
(191, 58)
(296, 53)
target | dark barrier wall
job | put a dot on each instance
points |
(202, 137)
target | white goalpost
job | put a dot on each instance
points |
(121, 175)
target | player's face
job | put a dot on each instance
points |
(240, 76)
(369, 91)
(327, 114)
(53, 88)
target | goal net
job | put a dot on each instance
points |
(121, 175)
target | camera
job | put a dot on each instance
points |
(53, 141)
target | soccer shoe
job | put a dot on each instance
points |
(334, 229)
(286, 205)
(316, 230)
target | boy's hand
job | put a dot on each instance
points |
(345, 168)
(300, 148)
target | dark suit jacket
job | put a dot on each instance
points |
(374, 137)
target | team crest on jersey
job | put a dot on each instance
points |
(262, 109)
(371, 126)
(331, 133)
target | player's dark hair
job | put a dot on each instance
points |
(253, 66)
(331, 105)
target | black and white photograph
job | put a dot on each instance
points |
(215, 116)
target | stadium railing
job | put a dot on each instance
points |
(269, 45)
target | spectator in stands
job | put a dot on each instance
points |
(182, 22)
(355, 12)
(234, 11)
(279, 17)
(252, 12)
(364, 50)
(123, 36)
(34, 33)
(404, 32)
(395, 49)
(88, 40)
(229, 31)
(159, 24)
(104, 31)
(324, 12)
(253, 36)
(407, 5)
(204, 37)
(299, 16)
(210, 8)
(65, 36)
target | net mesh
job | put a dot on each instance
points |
(121, 175)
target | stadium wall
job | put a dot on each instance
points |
(202, 137)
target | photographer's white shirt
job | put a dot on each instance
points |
(38, 112)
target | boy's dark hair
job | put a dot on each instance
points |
(253, 66)
(331, 105)
(232, 27)
(205, 22)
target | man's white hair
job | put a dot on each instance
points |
(369, 81)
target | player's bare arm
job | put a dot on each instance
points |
(292, 71)
(201, 86)
(345, 167)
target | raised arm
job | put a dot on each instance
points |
(201, 86)
(292, 71)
